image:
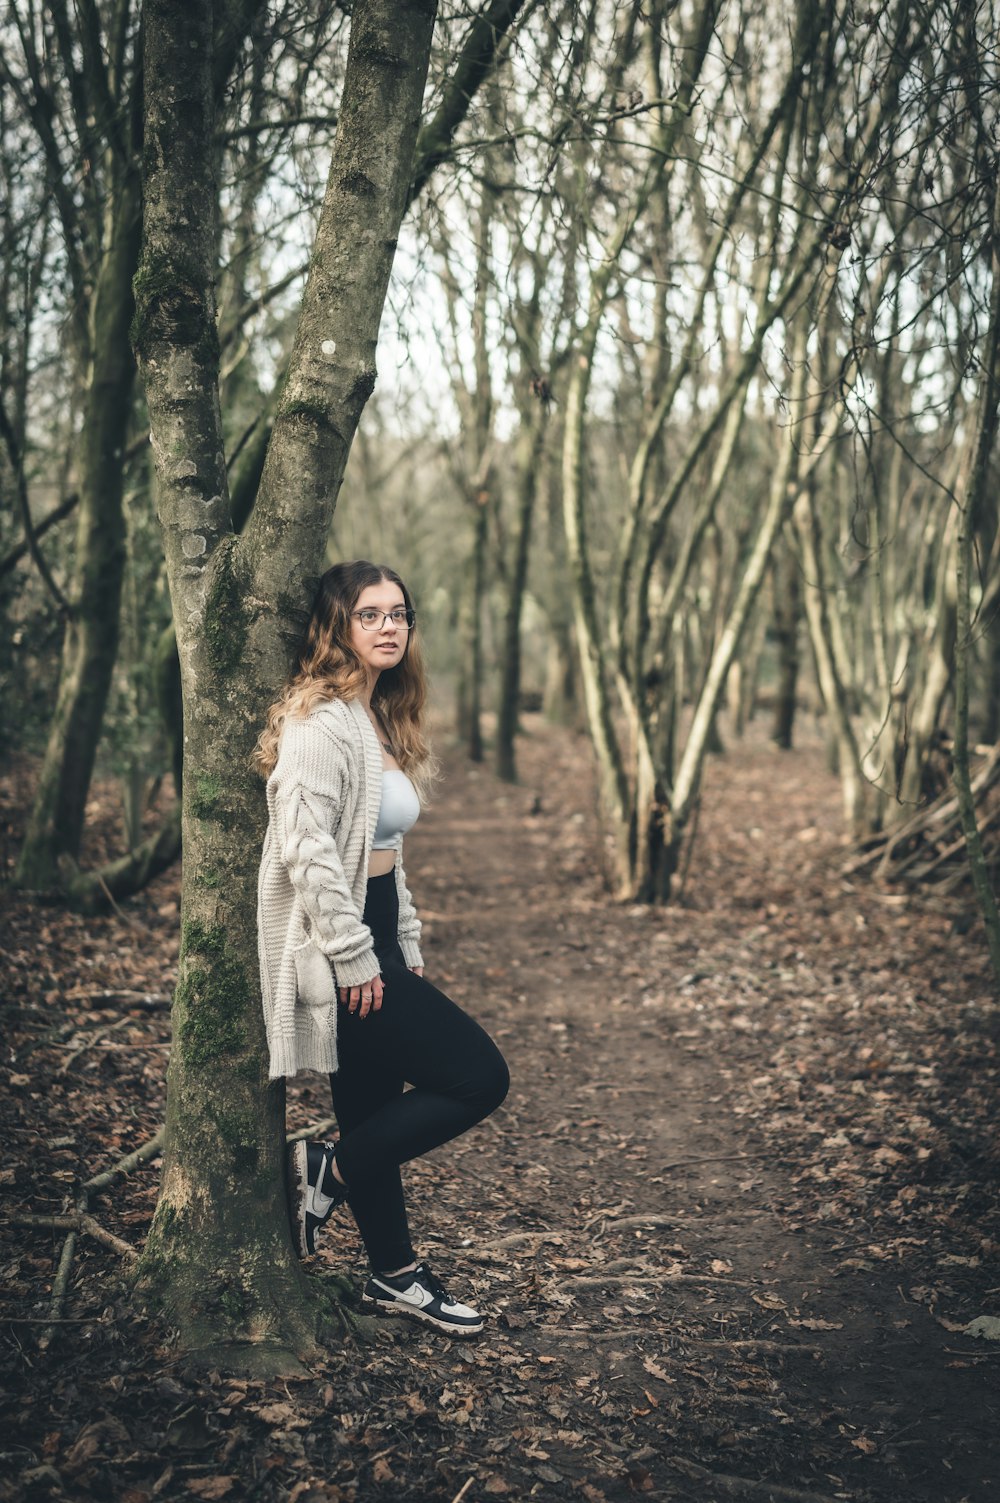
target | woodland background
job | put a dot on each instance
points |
(683, 437)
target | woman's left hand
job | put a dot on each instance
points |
(417, 970)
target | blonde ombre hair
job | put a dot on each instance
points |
(329, 668)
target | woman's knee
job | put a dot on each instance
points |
(494, 1083)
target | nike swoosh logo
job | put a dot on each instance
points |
(413, 1296)
(318, 1204)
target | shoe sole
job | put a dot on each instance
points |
(299, 1186)
(410, 1312)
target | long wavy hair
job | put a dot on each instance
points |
(329, 668)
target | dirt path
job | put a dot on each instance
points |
(731, 1323)
(728, 1224)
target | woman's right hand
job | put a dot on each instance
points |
(365, 998)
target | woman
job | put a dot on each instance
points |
(341, 969)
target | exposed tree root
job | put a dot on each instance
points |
(96, 891)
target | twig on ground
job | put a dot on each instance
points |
(747, 1487)
(627, 1221)
(59, 1286)
(84, 1221)
(755, 1344)
(614, 1333)
(462, 1491)
(147, 1001)
(717, 1158)
(597, 1281)
(93, 1041)
(140, 1155)
(314, 1130)
(515, 1239)
(46, 1320)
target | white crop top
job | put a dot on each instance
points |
(398, 810)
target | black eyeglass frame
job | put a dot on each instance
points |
(407, 624)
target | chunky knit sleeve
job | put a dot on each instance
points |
(409, 925)
(309, 794)
(317, 874)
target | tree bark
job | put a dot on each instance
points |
(787, 611)
(971, 504)
(470, 615)
(90, 645)
(530, 446)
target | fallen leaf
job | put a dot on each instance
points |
(987, 1327)
(656, 1372)
(210, 1487)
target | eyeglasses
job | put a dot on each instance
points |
(375, 620)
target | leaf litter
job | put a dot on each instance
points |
(739, 1199)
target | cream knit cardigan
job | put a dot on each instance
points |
(323, 801)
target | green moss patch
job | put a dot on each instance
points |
(212, 999)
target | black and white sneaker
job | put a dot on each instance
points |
(420, 1296)
(309, 1206)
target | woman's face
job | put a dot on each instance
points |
(384, 647)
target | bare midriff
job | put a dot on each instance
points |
(381, 862)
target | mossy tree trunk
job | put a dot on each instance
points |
(219, 1254)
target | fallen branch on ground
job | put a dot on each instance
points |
(314, 1130)
(93, 1041)
(79, 1221)
(598, 1281)
(747, 1487)
(533, 1240)
(147, 1001)
(140, 1155)
(750, 1344)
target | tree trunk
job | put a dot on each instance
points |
(786, 576)
(835, 698)
(560, 697)
(219, 1255)
(470, 686)
(531, 440)
(971, 503)
(936, 683)
(90, 645)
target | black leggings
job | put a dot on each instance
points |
(418, 1036)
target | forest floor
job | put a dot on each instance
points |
(729, 1226)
